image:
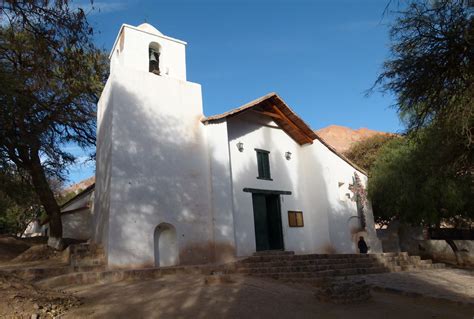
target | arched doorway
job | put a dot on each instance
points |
(166, 245)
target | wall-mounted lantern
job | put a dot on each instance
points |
(240, 146)
(288, 155)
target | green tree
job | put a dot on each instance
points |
(407, 183)
(427, 176)
(51, 75)
(365, 152)
(431, 71)
(19, 204)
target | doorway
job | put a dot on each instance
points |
(267, 218)
(166, 245)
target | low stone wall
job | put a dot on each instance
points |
(413, 240)
(440, 250)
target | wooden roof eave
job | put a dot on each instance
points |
(273, 106)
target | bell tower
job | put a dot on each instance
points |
(144, 48)
(152, 164)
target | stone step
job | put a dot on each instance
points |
(86, 249)
(306, 265)
(313, 268)
(324, 258)
(87, 262)
(290, 262)
(273, 253)
(319, 274)
(332, 272)
(89, 268)
(392, 259)
(298, 275)
(394, 268)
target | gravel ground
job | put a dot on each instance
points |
(21, 299)
(191, 297)
(450, 284)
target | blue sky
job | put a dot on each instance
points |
(320, 56)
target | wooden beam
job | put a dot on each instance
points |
(290, 122)
(268, 114)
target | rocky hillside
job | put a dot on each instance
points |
(76, 188)
(342, 138)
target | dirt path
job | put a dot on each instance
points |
(451, 284)
(21, 299)
(189, 297)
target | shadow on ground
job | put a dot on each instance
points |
(190, 297)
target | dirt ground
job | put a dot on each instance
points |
(11, 247)
(21, 299)
(187, 296)
(190, 297)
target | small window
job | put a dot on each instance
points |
(263, 164)
(295, 219)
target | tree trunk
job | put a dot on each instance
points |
(47, 199)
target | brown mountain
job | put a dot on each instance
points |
(342, 138)
(76, 188)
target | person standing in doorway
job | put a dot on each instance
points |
(362, 245)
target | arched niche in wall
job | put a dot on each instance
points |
(154, 53)
(165, 245)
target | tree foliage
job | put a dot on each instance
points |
(51, 75)
(365, 152)
(427, 176)
(431, 71)
(19, 204)
(407, 183)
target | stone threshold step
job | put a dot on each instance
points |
(309, 267)
(273, 253)
(297, 263)
(303, 258)
(326, 273)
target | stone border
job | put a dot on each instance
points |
(412, 294)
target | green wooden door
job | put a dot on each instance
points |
(260, 218)
(267, 218)
(275, 235)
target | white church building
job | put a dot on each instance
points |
(176, 187)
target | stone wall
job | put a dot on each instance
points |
(413, 240)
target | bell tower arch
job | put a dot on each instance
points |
(146, 49)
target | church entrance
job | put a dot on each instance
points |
(267, 217)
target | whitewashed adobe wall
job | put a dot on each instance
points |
(221, 192)
(34, 229)
(288, 175)
(100, 217)
(125, 52)
(312, 175)
(341, 211)
(159, 162)
(76, 217)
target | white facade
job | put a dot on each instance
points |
(76, 216)
(173, 190)
(34, 229)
